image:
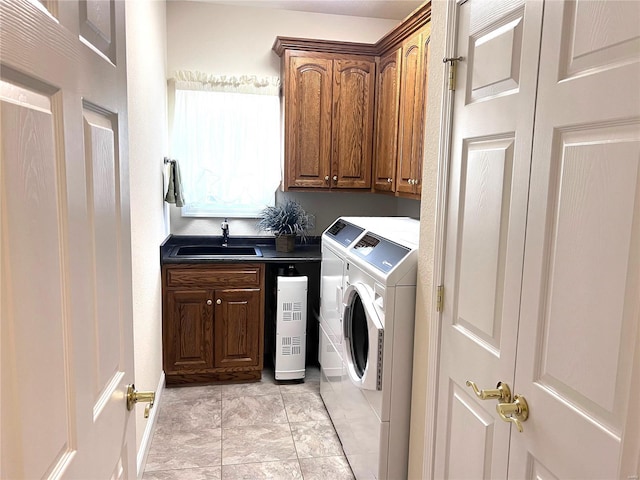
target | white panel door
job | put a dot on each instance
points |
(579, 343)
(66, 334)
(489, 177)
(568, 339)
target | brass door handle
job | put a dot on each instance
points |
(133, 397)
(502, 392)
(515, 412)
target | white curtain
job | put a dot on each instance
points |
(226, 135)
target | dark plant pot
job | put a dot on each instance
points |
(285, 243)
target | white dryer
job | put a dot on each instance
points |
(366, 380)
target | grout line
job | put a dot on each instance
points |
(291, 394)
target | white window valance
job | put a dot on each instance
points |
(251, 84)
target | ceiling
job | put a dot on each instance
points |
(392, 9)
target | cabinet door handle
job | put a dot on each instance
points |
(218, 302)
(209, 302)
(326, 178)
(389, 180)
(335, 178)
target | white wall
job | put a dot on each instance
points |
(425, 289)
(146, 65)
(224, 39)
(231, 40)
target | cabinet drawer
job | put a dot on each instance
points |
(214, 276)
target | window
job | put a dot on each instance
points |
(226, 136)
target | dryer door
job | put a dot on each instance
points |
(363, 338)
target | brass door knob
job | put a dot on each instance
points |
(133, 397)
(515, 412)
(502, 392)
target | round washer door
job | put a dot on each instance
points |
(363, 338)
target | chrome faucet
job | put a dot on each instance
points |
(225, 232)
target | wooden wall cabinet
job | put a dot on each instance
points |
(400, 116)
(332, 140)
(413, 99)
(387, 113)
(328, 105)
(212, 323)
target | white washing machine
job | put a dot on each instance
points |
(367, 365)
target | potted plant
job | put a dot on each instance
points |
(285, 221)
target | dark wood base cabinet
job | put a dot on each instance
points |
(212, 323)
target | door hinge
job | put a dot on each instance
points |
(452, 70)
(440, 298)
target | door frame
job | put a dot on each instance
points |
(442, 195)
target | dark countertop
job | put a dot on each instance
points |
(308, 251)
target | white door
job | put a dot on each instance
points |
(489, 177)
(574, 322)
(578, 343)
(66, 335)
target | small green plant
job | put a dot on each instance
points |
(288, 218)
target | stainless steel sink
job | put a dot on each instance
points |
(215, 251)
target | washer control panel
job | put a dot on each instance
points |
(379, 252)
(343, 232)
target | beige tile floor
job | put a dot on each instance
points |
(250, 431)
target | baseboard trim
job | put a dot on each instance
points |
(145, 444)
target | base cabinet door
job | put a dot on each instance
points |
(188, 334)
(213, 323)
(237, 327)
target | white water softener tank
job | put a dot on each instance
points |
(291, 328)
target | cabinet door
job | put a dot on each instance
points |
(353, 96)
(386, 136)
(238, 327)
(412, 104)
(308, 121)
(188, 330)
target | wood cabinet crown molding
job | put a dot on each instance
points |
(414, 22)
(322, 46)
(417, 19)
